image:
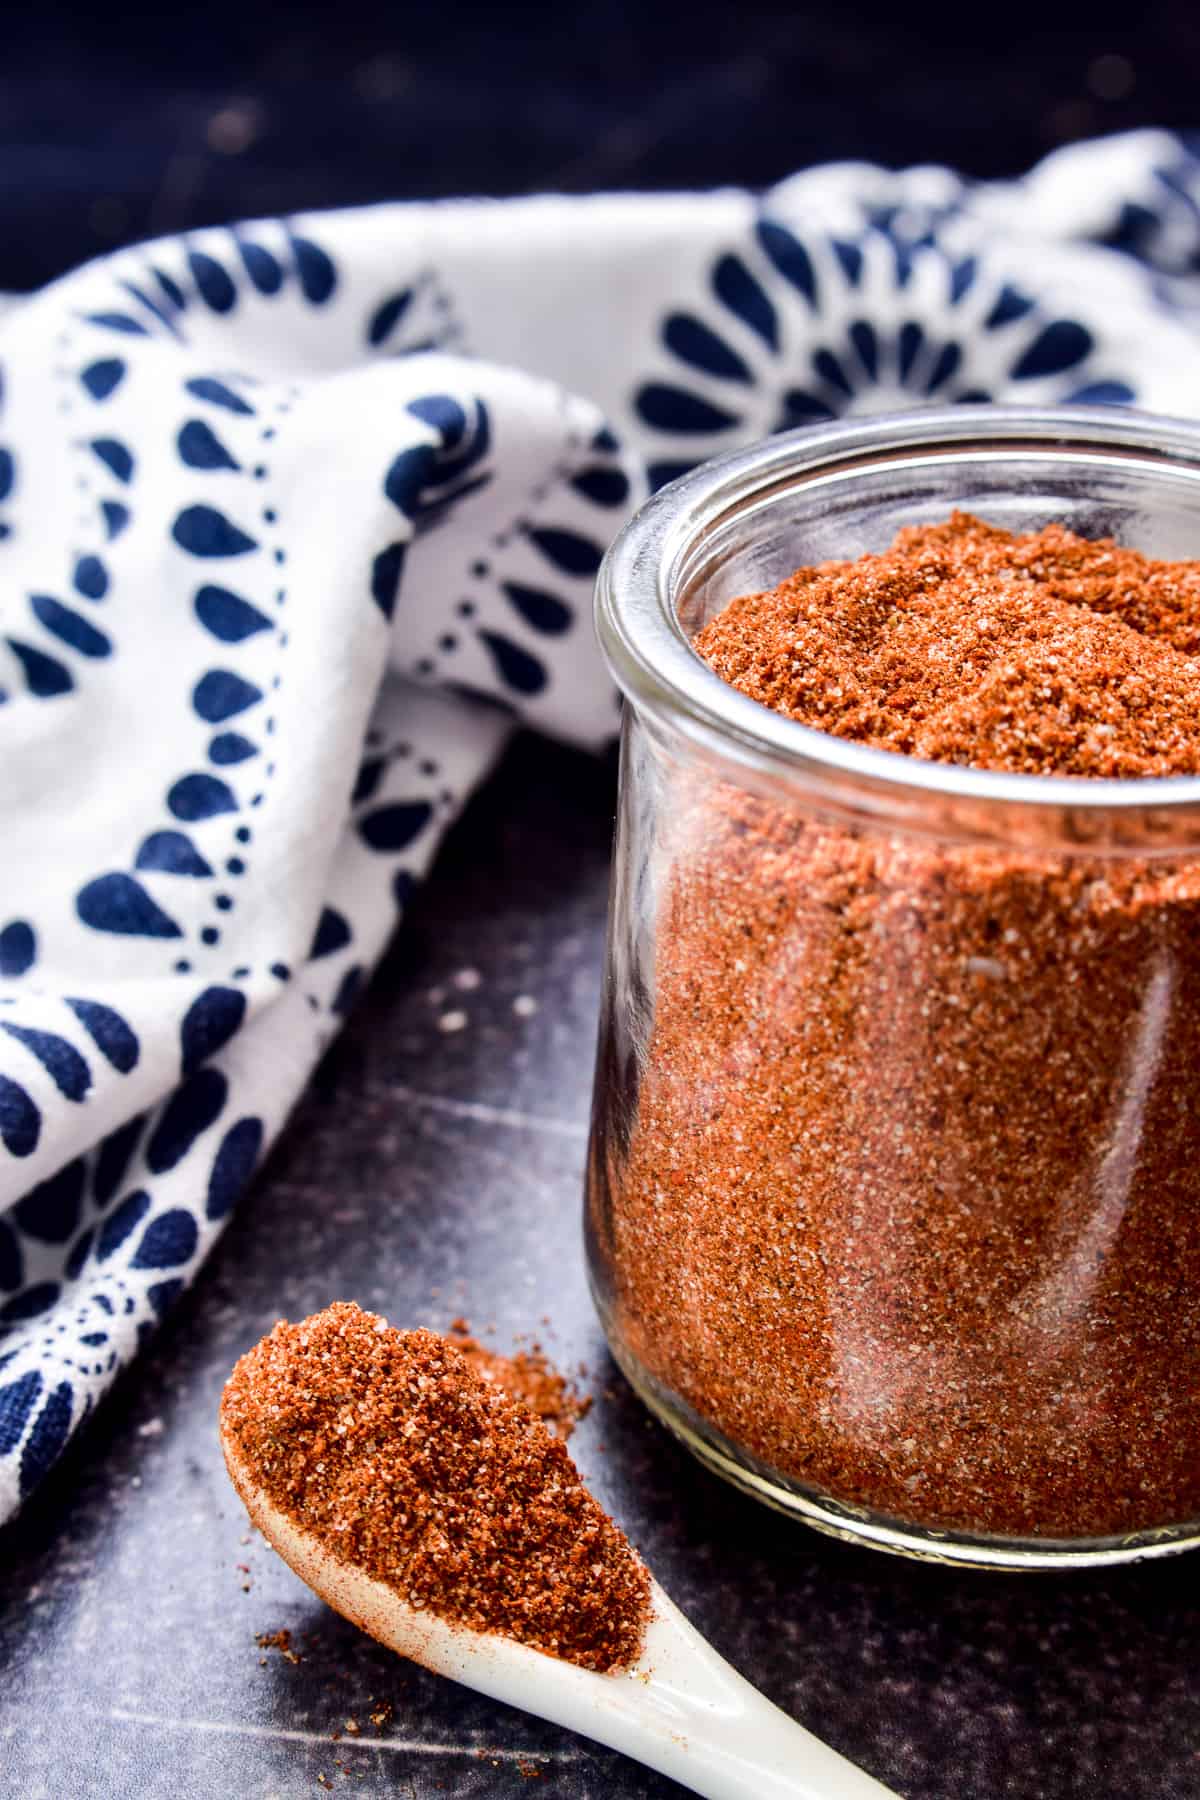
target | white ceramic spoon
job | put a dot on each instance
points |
(681, 1710)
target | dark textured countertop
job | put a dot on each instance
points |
(431, 1173)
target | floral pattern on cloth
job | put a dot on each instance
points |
(299, 519)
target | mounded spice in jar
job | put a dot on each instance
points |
(400, 1460)
(910, 1207)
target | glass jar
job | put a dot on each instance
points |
(893, 1206)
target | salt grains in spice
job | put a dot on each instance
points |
(391, 1451)
(910, 1207)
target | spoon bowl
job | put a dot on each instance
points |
(679, 1709)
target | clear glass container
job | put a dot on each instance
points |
(893, 1208)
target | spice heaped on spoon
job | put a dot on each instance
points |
(443, 1517)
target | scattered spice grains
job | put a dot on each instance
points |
(281, 1641)
(910, 1210)
(529, 1376)
(400, 1459)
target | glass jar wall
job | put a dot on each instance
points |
(894, 1184)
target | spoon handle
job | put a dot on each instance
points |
(685, 1712)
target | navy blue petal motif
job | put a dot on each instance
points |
(210, 1021)
(233, 1165)
(1010, 304)
(71, 628)
(20, 1120)
(17, 1401)
(369, 776)
(60, 1059)
(229, 747)
(162, 1295)
(7, 473)
(394, 827)
(909, 345)
(603, 487)
(190, 1111)
(946, 365)
(862, 336)
(962, 278)
(195, 797)
(1103, 393)
(116, 902)
(152, 307)
(203, 531)
(116, 457)
(206, 387)
(200, 447)
(45, 1442)
(50, 1211)
(829, 369)
(121, 1222)
(567, 550)
(76, 1258)
(745, 296)
(112, 1035)
(347, 993)
(27, 1305)
(264, 270)
(544, 612)
(104, 377)
(696, 344)
(116, 518)
(220, 694)
(670, 408)
(790, 258)
(113, 1158)
(167, 1241)
(802, 408)
(407, 474)
(385, 577)
(332, 934)
(171, 853)
(318, 276)
(213, 282)
(45, 676)
(91, 576)
(1057, 347)
(517, 667)
(850, 259)
(18, 948)
(56, 1055)
(116, 321)
(12, 1270)
(444, 414)
(227, 616)
(386, 317)
(170, 290)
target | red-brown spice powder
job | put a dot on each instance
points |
(911, 1205)
(529, 1376)
(393, 1453)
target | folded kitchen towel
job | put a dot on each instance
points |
(297, 518)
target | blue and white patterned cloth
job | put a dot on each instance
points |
(297, 518)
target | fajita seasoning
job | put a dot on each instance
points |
(401, 1460)
(909, 1206)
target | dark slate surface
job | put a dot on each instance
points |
(432, 1173)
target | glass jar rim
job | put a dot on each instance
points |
(656, 667)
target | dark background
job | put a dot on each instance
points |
(121, 123)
